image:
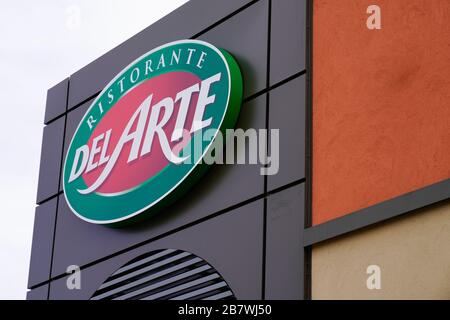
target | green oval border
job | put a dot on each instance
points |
(228, 121)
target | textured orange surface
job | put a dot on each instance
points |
(381, 102)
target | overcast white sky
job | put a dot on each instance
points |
(41, 43)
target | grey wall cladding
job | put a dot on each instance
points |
(165, 274)
(245, 37)
(40, 293)
(288, 39)
(41, 253)
(284, 244)
(231, 243)
(222, 217)
(73, 119)
(56, 101)
(287, 113)
(52, 144)
(214, 192)
(185, 22)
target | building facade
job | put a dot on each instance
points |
(359, 207)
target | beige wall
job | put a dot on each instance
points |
(413, 252)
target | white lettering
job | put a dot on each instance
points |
(94, 151)
(191, 51)
(185, 99)
(136, 73)
(136, 136)
(204, 100)
(161, 62)
(155, 127)
(148, 67)
(90, 121)
(201, 60)
(175, 57)
(82, 151)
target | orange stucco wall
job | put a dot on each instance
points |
(381, 102)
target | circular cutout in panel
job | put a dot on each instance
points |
(168, 274)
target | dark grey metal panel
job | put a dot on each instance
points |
(174, 274)
(52, 143)
(380, 212)
(284, 244)
(288, 39)
(39, 293)
(287, 113)
(73, 119)
(41, 252)
(231, 243)
(185, 22)
(248, 45)
(216, 191)
(56, 101)
(245, 37)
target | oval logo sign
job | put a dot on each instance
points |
(140, 145)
